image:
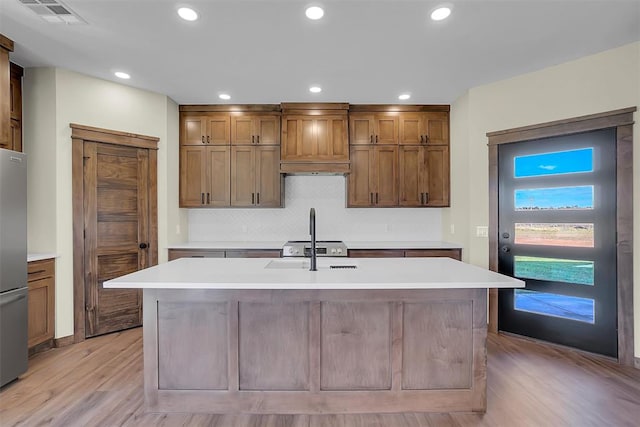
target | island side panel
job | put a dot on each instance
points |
(352, 322)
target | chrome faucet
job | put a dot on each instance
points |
(312, 231)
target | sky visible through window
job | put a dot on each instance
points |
(579, 197)
(560, 162)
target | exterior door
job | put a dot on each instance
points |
(117, 235)
(557, 231)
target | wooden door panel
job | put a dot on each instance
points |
(437, 128)
(290, 139)
(242, 176)
(308, 146)
(386, 130)
(268, 129)
(241, 130)
(322, 138)
(339, 139)
(386, 175)
(411, 128)
(113, 232)
(219, 172)
(194, 130)
(268, 176)
(218, 129)
(411, 167)
(437, 175)
(362, 129)
(192, 176)
(360, 192)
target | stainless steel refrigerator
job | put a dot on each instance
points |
(13, 265)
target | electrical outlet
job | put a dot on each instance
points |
(452, 229)
(177, 228)
(482, 231)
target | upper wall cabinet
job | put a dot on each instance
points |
(373, 128)
(6, 128)
(314, 138)
(421, 128)
(254, 129)
(210, 129)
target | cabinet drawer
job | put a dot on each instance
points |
(376, 253)
(449, 253)
(253, 253)
(194, 253)
(40, 269)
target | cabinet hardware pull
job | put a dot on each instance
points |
(371, 198)
(258, 139)
(37, 271)
(426, 198)
(202, 197)
(208, 200)
(253, 198)
(372, 139)
(421, 195)
(426, 139)
(253, 139)
(376, 198)
(208, 139)
(203, 139)
(421, 139)
(376, 139)
(257, 198)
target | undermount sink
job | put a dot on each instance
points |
(304, 263)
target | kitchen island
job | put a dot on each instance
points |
(268, 336)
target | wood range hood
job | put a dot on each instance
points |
(315, 139)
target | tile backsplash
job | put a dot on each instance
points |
(333, 220)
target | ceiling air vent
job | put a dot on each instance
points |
(53, 11)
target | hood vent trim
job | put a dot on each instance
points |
(315, 168)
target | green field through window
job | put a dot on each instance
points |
(554, 269)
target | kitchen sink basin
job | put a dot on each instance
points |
(304, 263)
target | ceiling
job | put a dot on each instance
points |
(360, 52)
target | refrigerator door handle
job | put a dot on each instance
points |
(13, 298)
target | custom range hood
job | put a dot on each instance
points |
(315, 139)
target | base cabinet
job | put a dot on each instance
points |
(41, 316)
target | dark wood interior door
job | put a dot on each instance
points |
(116, 226)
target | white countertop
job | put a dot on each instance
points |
(371, 273)
(40, 257)
(277, 244)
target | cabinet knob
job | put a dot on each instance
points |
(143, 246)
(421, 139)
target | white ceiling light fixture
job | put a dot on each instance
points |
(224, 96)
(404, 96)
(315, 89)
(314, 12)
(187, 14)
(122, 75)
(441, 13)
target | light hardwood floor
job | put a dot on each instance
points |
(99, 383)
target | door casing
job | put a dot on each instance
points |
(79, 135)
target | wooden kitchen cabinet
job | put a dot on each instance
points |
(251, 128)
(205, 176)
(195, 253)
(424, 175)
(255, 176)
(373, 181)
(424, 128)
(41, 304)
(373, 128)
(454, 253)
(205, 129)
(315, 138)
(223, 253)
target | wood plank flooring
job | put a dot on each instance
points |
(99, 383)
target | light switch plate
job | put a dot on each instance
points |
(482, 231)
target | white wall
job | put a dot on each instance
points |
(93, 102)
(607, 81)
(333, 221)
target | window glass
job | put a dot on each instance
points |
(553, 269)
(554, 234)
(558, 198)
(547, 304)
(557, 163)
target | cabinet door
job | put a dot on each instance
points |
(218, 176)
(267, 130)
(360, 192)
(308, 139)
(361, 128)
(243, 176)
(218, 129)
(193, 176)
(242, 129)
(193, 130)
(385, 170)
(437, 175)
(15, 136)
(15, 92)
(386, 126)
(412, 172)
(412, 128)
(41, 299)
(422, 253)
(437, 128)
(268, 181)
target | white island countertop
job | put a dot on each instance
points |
(351, 244)
(292, 273)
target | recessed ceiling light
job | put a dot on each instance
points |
(187, 14)
(122, 75)
(224, 96)
(404, 97)
(314, 12)
(440, 13)
(315, 89)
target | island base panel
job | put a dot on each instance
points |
(315, 351)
